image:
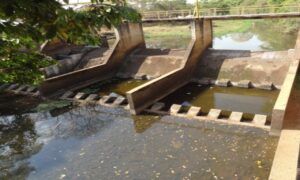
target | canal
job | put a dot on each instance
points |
(62, 140)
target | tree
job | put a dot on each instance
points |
(25, 25)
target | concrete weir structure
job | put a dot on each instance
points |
(129, 36)
(143, 96)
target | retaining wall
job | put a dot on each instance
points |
(145, 95)
(128, 37)
(280, 107)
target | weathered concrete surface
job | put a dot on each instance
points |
(238, 65)
(93, 58)
(285, 162)
(151, 63)
(129, 36)
(145, 95)
(279, 110)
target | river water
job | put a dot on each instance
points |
(61, 140)
(257, 38)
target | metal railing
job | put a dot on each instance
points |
(251, 10)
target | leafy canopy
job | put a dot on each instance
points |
(25, 25)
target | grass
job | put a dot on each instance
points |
(220, 28)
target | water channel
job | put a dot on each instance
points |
(63, 140)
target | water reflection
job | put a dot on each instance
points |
(95, 142)
(260, 37)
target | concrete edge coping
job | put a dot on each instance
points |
(21, 89)
(214, 114)
(285, 162)
(110, 101)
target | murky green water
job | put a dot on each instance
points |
(115, 85)
(94, 142)
(252, 101)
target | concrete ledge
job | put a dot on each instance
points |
(193, 111)
(285, 162)
(223, 83)
(259, 120)
(175, 108)
(244, 84)
(282, 101)
(236, 116)
(93, 97)
(120, 100)
(214, 113)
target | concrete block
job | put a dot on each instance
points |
(244, 84)
(13, 87)
(236, 116)
(223, 82)
(92, 97)
(36, 94)
(107, 99)
(157, 106)
(194, 111)
(259, 120)
(32, 89)
(68, 94)
(113, 95)
(214, 113)
(175, 108)
(79, 96)
(265, 86)
(120, 100)
(21, 88)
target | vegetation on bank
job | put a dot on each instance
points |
(26, 25)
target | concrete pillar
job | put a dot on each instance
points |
(145, 95)
(129, 36)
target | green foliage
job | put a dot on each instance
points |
(25, 25)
